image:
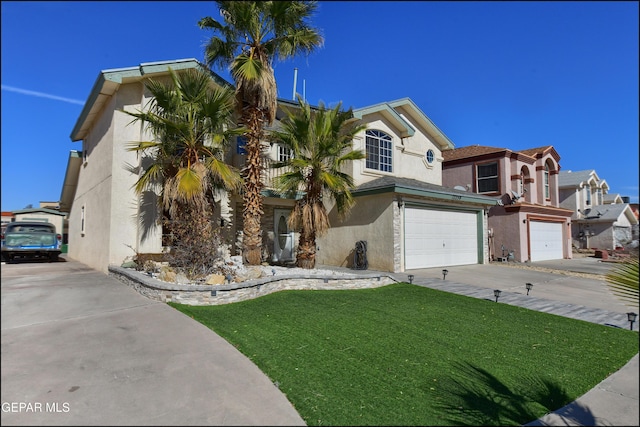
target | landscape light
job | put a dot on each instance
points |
(496, 293)
(411, 278)
(632, 318)
(529, 286)
(444, 274)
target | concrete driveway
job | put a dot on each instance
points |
(81, 348)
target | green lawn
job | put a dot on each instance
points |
(409, 355)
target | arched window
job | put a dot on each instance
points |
(547, 194)
(379, 147)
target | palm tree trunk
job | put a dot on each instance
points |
(306, 254)
(253, 209)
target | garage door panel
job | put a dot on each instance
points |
(546, 240)
(435, 238)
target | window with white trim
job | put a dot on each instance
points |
(547, 194)
(487, 177)
(379, 148)
(284, 153)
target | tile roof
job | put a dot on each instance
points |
(470, 151)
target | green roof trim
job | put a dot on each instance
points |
(107, 82)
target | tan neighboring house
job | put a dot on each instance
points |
(599, 220)
(529, 224)
(408, 219)
(52, 216)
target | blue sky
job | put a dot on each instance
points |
(514, 75)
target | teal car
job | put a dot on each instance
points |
(31, 240)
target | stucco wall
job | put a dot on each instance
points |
(93, 195)
(408, 154)
(371, 220)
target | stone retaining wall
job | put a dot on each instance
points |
(229, 293)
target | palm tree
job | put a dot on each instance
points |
(252, 35)
(623, 280)
(192, 126)
(321, 145)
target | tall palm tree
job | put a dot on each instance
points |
(250, 35)
(192, 126)
(321, 145)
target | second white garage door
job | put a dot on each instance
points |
(436, 238)
(546, 240)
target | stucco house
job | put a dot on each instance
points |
(52, 216)
(599, 220)
(408, 219)
(528, 224)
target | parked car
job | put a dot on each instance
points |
(23, 239)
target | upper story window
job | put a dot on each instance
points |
(241, 145)
(521, 183)
(599, 197)
(379, 151)
(284, 153)
(547, 194)
(430, 156)
(588, 191)
(487, 177)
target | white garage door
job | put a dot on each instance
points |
(546, 240)
(435, 238)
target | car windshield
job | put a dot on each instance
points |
(31, 228)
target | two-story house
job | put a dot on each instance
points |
(528, 224)
(408, 219)
(599, 220)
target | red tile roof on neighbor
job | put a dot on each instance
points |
(470, 151)
(7, 213)
(482, 150)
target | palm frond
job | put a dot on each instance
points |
(623, 280)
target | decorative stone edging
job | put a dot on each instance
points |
(229, 293)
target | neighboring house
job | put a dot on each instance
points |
(7, 217)
(408, 219)
(43, 215)
(599, 220)
(528, 224)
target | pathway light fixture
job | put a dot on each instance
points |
(411, 276)
(632, 318)
(529, 286)
(497, 293)
(444, 274)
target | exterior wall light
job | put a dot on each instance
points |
(497, 293)
(444, 274)
(529, 286)
(411, 276)
(632, 318)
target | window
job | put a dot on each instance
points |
(429, 156)
(521, 183)
(546, 182)
(588, 190)
(487, 178)
(241, 144)
(82, 220)
(379, 154)
(598, 197)
(284, 153)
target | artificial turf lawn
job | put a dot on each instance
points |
(409, 355)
